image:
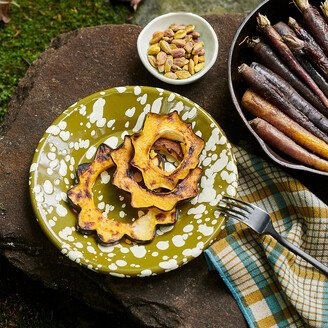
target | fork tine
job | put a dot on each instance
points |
(232, 210)
(233, 213)
(234, 204)
(239, 201)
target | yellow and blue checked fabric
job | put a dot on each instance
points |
(273, 287)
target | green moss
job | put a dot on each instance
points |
(35, 23)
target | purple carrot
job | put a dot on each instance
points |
(297, 49)
(283, 29)
(262, 87)
(318, 58)
(301, 32)
(293, 97)
(315, 23)
(286, 54)
(311, 48)
(316, 76)
(267, 57)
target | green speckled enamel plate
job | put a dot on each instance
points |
(106, 117)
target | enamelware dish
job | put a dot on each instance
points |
(106, 117)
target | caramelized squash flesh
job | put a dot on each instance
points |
(169, 127)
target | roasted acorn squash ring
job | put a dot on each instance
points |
(169, 147)
(142, 197)
(171, 127)
(91, 219)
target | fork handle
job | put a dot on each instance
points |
(272, 232)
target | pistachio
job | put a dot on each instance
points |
(161, 68)
(191, 67)
(195, 35)
(190, 28)
(197, 49)
(168, 64)
(199, 67)
(167, 67)
(171, 75)
(179, 43)
(168, 33)
(154, 49)
(188, 47)
(196, 59)
(175, 68)
(181, 61)
(199, 41)
(180, 34)
(188, 37)
(165, 46)
(161, 58)
(156, 37)
(202, 52)
(179, 52)
(152, 60)
(166, 38)
(175, 27)
(182, 75)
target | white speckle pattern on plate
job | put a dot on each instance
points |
(106, 117)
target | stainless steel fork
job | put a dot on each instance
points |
(260, 221)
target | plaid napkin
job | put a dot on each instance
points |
(273, 287)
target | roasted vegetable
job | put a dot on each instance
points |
(159, 205)
(143, 197)
(261, 108)
(267, 56)
(265, 89)
(171, 127)
(303, 34)
(315, 23)
(293, 97)
(315, 55)
(308, 66)
(91, 219)
(278, 140)
(283, 29)
(287, 55)
(169, 147)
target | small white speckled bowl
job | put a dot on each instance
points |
(161, 23)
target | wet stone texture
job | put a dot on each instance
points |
(75, 65)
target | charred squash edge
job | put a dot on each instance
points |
(108, 230)
(142, 197)
(172, 127)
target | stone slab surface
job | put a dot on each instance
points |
(150, 9)
(77, 64)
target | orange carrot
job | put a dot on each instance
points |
(280, 141)
(259, 107)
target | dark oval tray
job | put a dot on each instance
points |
(276, 10)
